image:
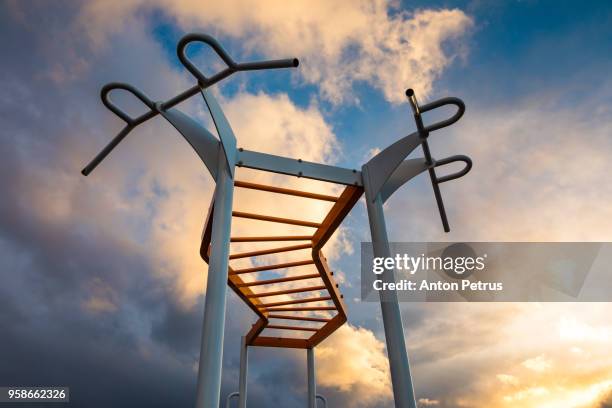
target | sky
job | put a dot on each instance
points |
(102, 284)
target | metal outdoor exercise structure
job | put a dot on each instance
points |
(379, 179)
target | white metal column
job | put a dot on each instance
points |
(244, 369)
(403, 390)
(211, 350)
(312, 382)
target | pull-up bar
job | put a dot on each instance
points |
(379, 178)
(203, 83)
(423, 132)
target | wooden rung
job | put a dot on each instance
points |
(272, 267)
(277, 238)
(286, 291)
(270, 251)
(281, 327)
(308, 319)
(297, 301)
(301, 309)
(280, 220)
(279, 280)
(287, 191)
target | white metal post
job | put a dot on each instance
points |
(312, 382)
(211, 350)
(403, 390)
(244, 368)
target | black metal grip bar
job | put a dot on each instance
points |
(232, 66)
(441, 102)
(105, 93)
(453, 159)
(424, 134)
(203, 82)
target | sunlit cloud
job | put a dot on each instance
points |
(354, 361)
(340, 42)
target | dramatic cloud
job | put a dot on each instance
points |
(528, 183)
(122, 246)
(511, 354)
(102, 274)
(340, 42)
(354, 361)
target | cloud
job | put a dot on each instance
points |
(536, 177)
(538, 364)
(555, 377)
(507, 379)
(340, 43)
(354, 361)
(102, 299)
(122, 245)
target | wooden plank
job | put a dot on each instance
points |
(325, 229)
(286, 191)
(272, 267)
(304, 318)
(272, 238)
(264, 341)
(301, 309)
(326, 330)
(256, 329)
(283, 327)
(336, 215)
(326, 276)
(260, 217)
(297, 301)
(286, 291)
(270, 251)
(232, 280)
(279, 280)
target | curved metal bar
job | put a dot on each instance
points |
(105, 92)
(386, 162)
(232, 66)
(200, 139)
(131, 122)
(405, 172)
(224, 130)
(106, 150)
(453, 159)
(442, 102)
(203, 82)
(228, 400)
(323, 399)
(424, 131)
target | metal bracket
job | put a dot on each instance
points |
(298, 168)
(200, 139)
(203, 82)
(384, 163)
(388, 171)
(226, 134)
(407, 170)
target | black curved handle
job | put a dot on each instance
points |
(105, 93)
(130, 121)
(453, 159)
(442, 102)
(232, 66)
